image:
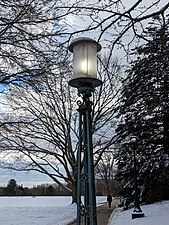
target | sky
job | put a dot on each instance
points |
(27, 179)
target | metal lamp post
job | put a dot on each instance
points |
(85, 79)
(137, 212)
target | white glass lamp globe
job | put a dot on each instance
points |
(84, 62)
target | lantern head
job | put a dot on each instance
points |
(84, 62)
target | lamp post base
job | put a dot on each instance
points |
(137, 215)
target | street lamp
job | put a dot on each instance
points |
(85, 79)
(137, 212)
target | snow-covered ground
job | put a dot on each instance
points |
(38, 211)
(155, 214)
(60, 211)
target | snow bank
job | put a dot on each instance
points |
(38, 210)
(155, 214)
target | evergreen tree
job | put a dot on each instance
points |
(50, 190)
(144, 112)
(11, 187)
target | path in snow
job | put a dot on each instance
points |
(103, 213)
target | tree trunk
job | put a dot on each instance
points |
(74, 192)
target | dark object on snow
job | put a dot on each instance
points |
(109, 199)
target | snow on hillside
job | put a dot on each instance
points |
(38, 211)
(60, 211)
(155, 214)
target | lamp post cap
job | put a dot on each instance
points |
(84, 40)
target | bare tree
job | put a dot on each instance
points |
(33, 33)
(40, 130)
(116, 24)
(30, 38)
(105, 171)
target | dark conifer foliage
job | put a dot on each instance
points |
(144, 113)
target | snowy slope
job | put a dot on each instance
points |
(155, 214)
(60, 211)
(38, 211)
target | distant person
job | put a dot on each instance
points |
(109, 200)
